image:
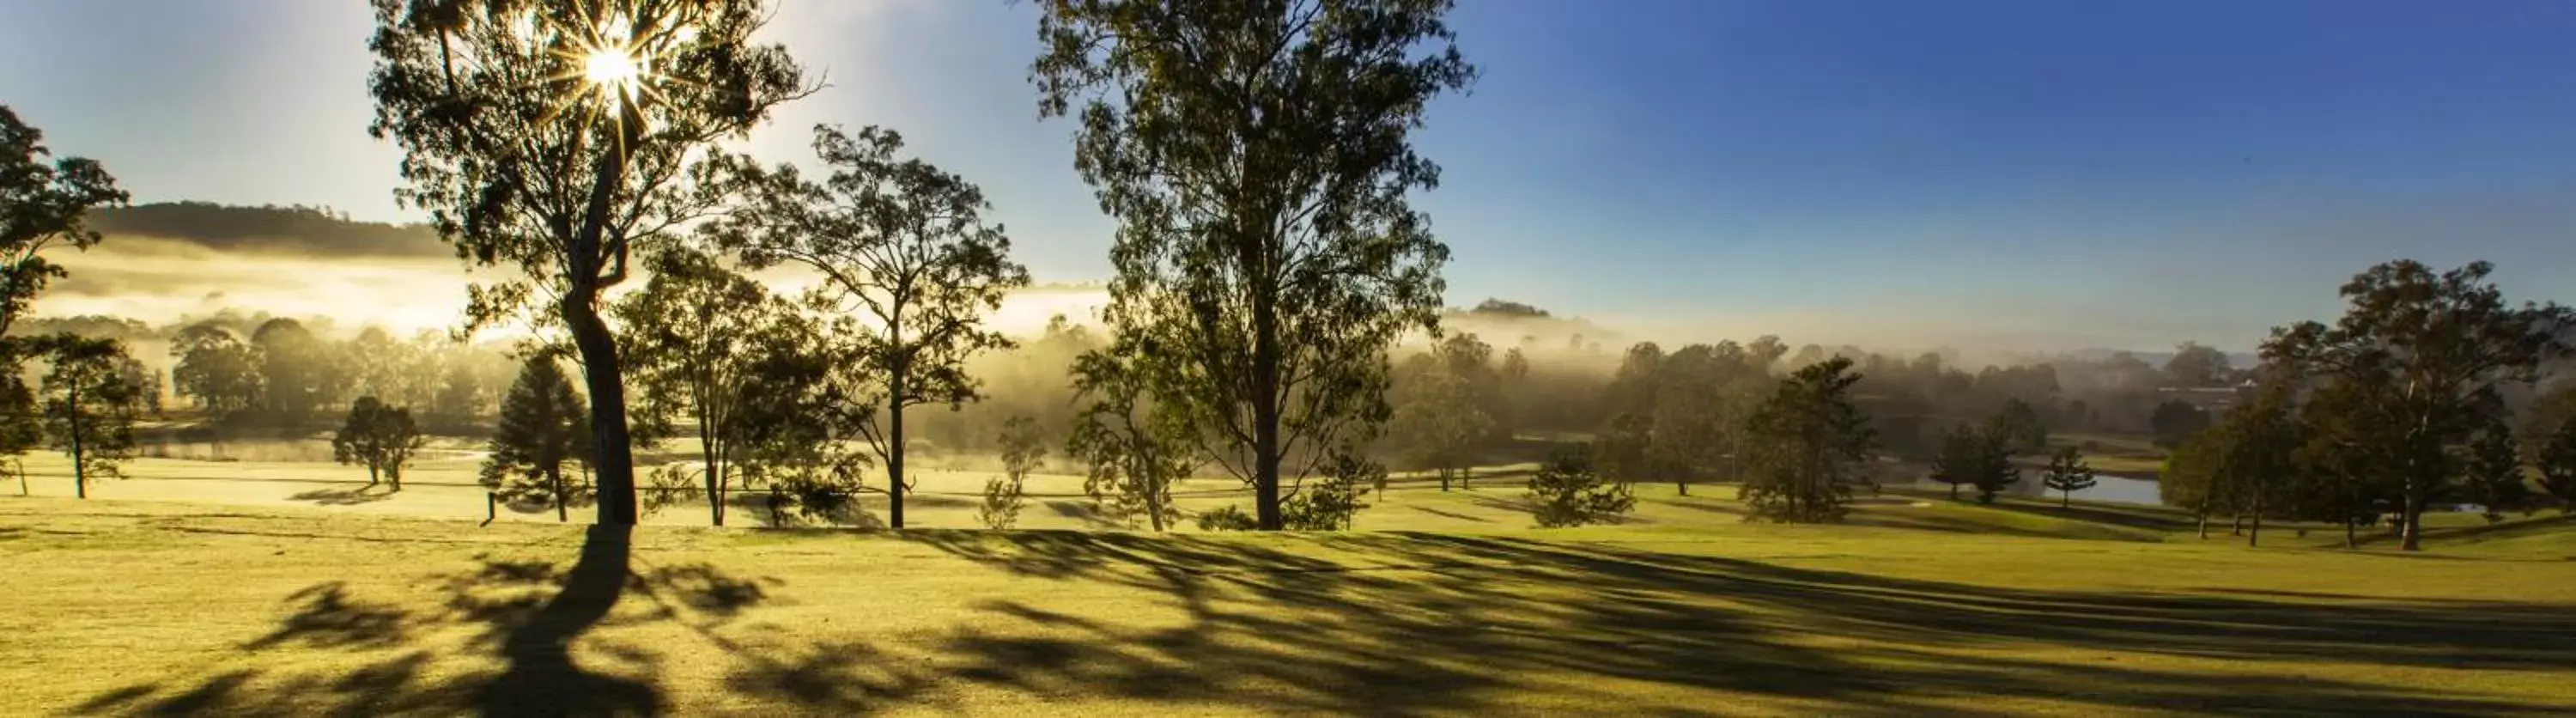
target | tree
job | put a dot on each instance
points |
(42, 205)
(1256, 158)
(2555, 459)
(1976, 456)
(91, 402)
(695, 336)
(1133, 447)
(1023, 451)
(1440, 414)
(1567, 492)
(542, 424)
(22, 418)
(379, 437)
(903, 241)
(2019, 425)
(555, 137)
(2175, 421)
(2194, 365)
(216, 368)
(298, 373)
(2067, 473)
(2345, 443)
(2257, 445)
(2494, 478)
(2450, 339)
(1807, 444)
(1331, 503)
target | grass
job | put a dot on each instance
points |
(1921, 607)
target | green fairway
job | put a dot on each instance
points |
(1924, 608)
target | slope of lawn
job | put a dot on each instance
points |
(1926, 608)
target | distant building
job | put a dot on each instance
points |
(2212, 399)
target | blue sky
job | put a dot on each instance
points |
(2023, 173)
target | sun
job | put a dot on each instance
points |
(611, 69)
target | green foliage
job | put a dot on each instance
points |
(91, 401)
(1023, 451)
(1979, 457)
(2067, 473)
(2175, 421)
(2555, 459)
(2019, 425)
(903, 241)
(379, 437)
(1329, 502)
(2451, 340)
(299, 372)
(2494, 472)
(1808, 444)
(216, 368)
(42, 205)
(541, 429)
(1133, 447)
(1443, 401)
(696, 336)
(1227, 518)
(1566, 491)
(1257, 160)
(2194, 365)
(520, 161)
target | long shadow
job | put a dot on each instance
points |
(342, 497)
(1453, 515)
(541, 678)
(1424, 623)
(527, 614)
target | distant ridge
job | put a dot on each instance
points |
(296, 229)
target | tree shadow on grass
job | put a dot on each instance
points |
(342, 497)
(1420, 623)
(527, 614)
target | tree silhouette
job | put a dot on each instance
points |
(1256, 159)
(901, 241)
(525, 158)
(542, 425)
(1808, 443)
(1977, 456)
(2194, 365)
(2067, 473)
(2174, 421)
(42, 205)
(1133, 447)
(2555, 459)
(91, 402)
(1439, 417)
(696, 335)
(379, 437)
(1023, 451)
(215, 368)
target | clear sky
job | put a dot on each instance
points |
(2034, 173)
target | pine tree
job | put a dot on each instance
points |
(1567, 492)
(543, 425)
(2067, 474)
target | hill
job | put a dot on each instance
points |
(294, 229)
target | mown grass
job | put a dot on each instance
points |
(1920, 607)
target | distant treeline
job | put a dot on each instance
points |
(293, 228)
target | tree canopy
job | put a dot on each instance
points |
(1256, 157)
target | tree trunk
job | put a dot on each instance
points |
(2413, 523)
(2350, 539)
(2065, 498)
(2256, 538)
(1681, 487)
(80, 468)
(894, 434)
(614, 464)
(709, 448)
(1467, 478)
(2236, 524)
(1265, 402)
(373, 475)
(1954, 491)
(393, 475)
(554, 476)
